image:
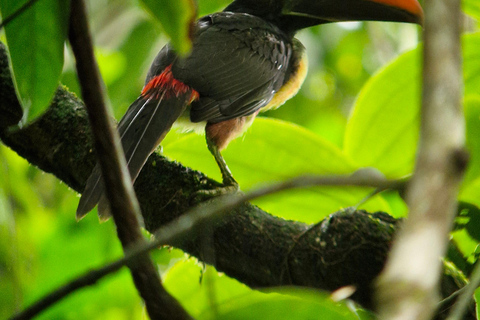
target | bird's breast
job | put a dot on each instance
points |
(291, 87)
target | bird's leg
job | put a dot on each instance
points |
(227, 177)
(218, 135)
(230, 185)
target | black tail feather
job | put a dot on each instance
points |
(143, 127)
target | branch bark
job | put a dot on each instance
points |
(408, 288)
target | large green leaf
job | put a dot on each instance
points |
(382, 131)
(273, 151)
(176, 18)
(36, 44)
(210, 6)
(9, 264)
(472, 120)
(305, 305)
(477, 302)
(216, 296)
(470, 191)
(471, 63)
(468, 218)
(472, 7)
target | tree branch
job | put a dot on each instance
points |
(192, 221)
(408, 288)
(117, 181)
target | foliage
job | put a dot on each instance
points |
(30, 38)
(351, 113)
(176, 18)
(232, 300)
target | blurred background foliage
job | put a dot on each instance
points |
(42, 246)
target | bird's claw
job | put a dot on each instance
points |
(228, 187)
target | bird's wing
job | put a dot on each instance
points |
(237, 63)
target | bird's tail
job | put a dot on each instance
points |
(141, 129)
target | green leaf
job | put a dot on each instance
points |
(470, 191)
(9, 262)
(457, 257)
(477, 302)
(471, 63)
(210, 6)
(472, 7)
(472, 121)
(176, 18)
(465, 244)
(215, 296)
(36, 44)
(313, 204)
(382, 131)
(469, 219)
(273, 151)
(306, 304)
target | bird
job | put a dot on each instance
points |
(243, 60)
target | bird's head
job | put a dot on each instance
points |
(293, 15)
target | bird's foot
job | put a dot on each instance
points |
(229, 187)
(229, 181)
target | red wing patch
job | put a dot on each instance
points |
(165, 84)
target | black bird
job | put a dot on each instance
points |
(243, 60)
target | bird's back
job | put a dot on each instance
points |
(237, 63)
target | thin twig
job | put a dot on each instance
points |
(87, 279)
(466, 295)
(198, 216)
(14, 15)
(451, 297)
(192, 220)
(117, 181)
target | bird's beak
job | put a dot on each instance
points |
(357, 10)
